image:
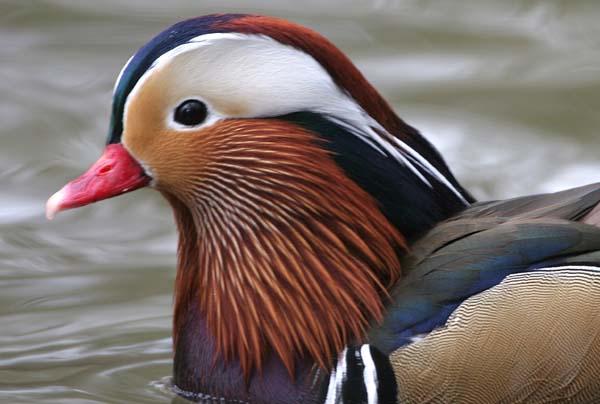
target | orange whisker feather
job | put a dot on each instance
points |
(280, 250)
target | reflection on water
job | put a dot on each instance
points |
(508, 92)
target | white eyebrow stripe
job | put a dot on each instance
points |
(264, 76)
(423, 162)
(120, 76)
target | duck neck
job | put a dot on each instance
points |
(262, 290)
(200, 375)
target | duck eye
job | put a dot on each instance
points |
(190, 113)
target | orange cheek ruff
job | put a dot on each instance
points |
(278, 248)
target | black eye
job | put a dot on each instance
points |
(190, 113)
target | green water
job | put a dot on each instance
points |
(508, 90)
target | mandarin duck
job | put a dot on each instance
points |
(326, 252)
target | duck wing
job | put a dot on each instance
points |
(500, 304)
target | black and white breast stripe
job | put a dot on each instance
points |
(362, 375)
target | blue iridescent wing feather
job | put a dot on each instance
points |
(477, 249)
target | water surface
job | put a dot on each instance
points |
(508, 91)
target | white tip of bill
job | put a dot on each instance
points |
(53, 206)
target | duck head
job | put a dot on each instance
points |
(293, 184)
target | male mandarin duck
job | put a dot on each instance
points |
(326, 252)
